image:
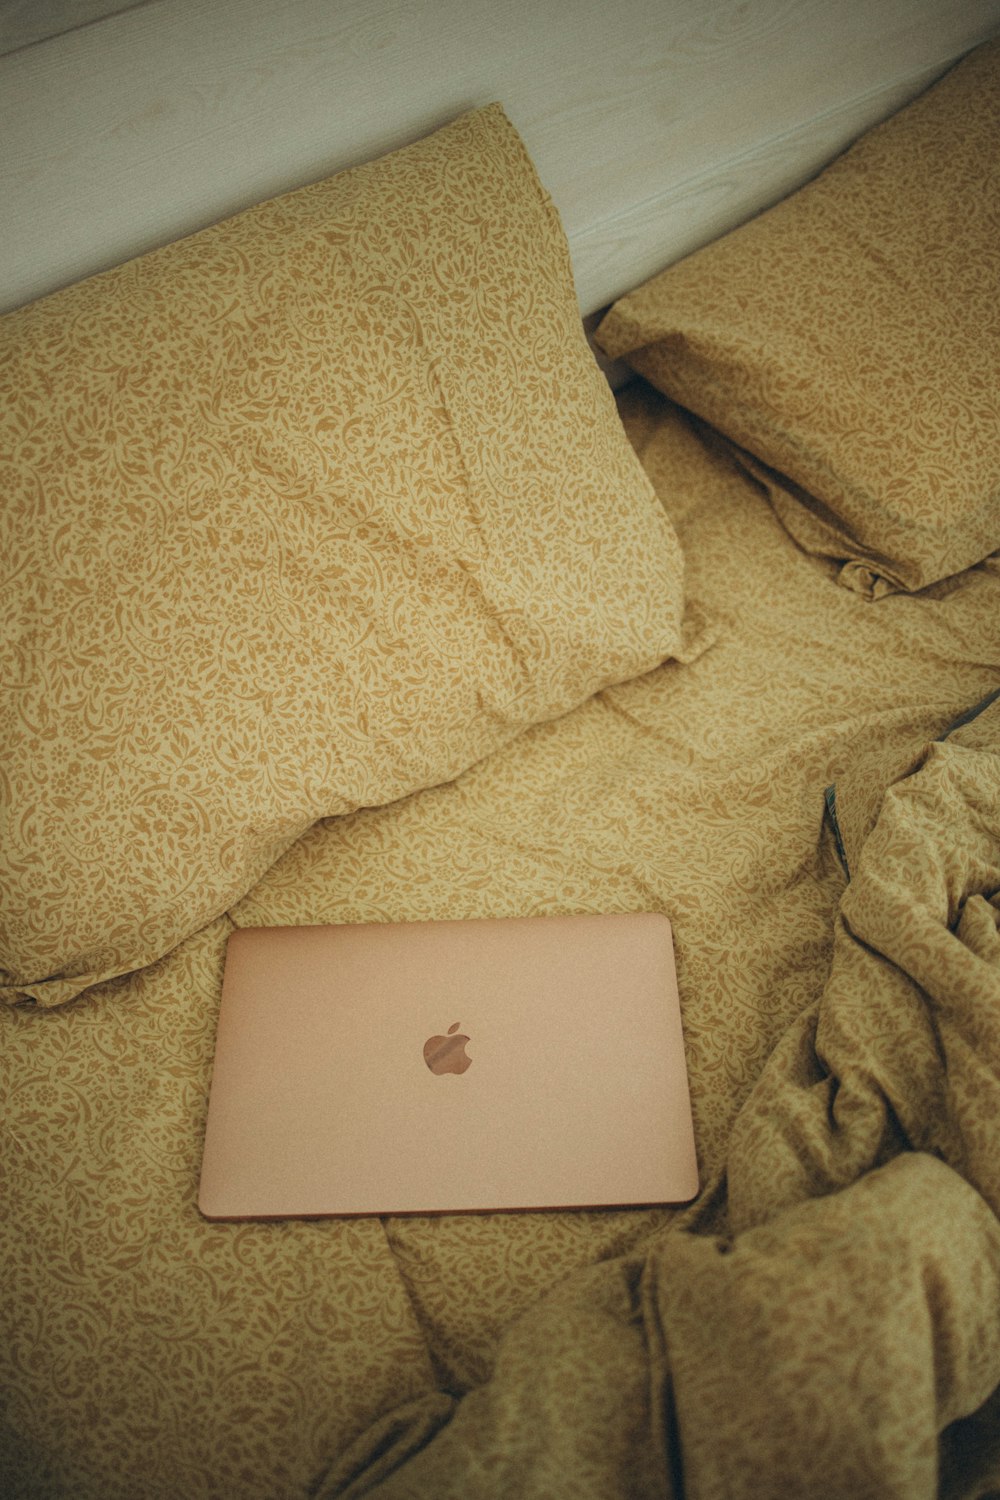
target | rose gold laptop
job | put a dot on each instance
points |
(427, 1067)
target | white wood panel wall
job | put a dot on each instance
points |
(655, 124)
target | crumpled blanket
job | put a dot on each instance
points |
(826, 1320)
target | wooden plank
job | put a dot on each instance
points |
(641, 116)
(25, 22)
(690, 213)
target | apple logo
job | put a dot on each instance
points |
(446, 1054)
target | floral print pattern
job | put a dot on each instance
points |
(846, 340)
(303, 513)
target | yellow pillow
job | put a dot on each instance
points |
(302, 513)
(847, 339)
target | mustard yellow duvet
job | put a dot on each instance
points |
(824, 1320)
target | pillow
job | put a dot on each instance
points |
(302, 513)
(847, 338)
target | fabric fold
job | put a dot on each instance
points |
(839, 1337)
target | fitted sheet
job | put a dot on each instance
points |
(145, 1351)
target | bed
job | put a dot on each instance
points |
(340, 587)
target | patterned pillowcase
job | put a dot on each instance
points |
(303, 513)
(847, 340)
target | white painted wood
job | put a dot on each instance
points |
(691, 212)
(655, 124)
(24, 22)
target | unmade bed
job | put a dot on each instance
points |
(375, 605)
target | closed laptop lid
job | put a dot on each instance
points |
(449, 1066)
